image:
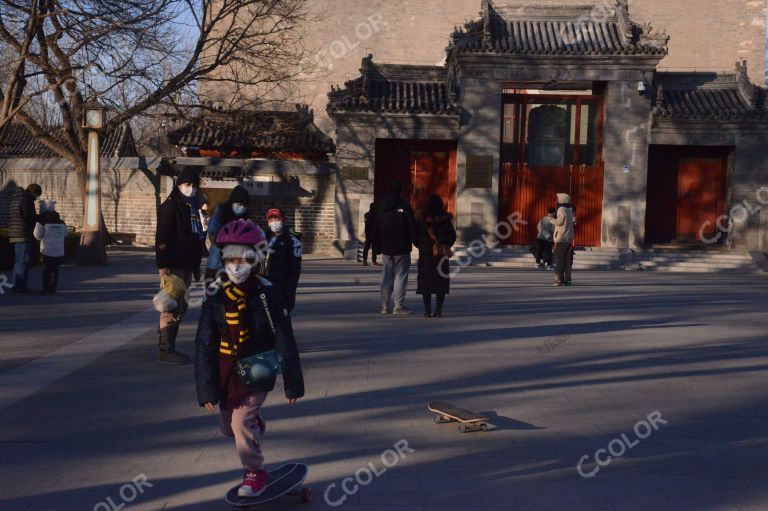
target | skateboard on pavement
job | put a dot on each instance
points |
(286, 480)
(469, 421)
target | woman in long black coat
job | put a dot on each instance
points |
(434, 238)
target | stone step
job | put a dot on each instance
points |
(680, 264)
(732, 259)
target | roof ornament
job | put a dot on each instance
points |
(625, 24)
(747, 89)
(488, 11)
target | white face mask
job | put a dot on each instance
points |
(238, 209)
(187, 190)
(276, 226)
(238, 272)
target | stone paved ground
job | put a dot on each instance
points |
(561, 372)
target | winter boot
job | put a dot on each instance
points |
(167, 343)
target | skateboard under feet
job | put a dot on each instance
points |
(286, 480)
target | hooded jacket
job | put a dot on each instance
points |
(222, 215)
(51, 231)
(393, 226)
(563, 222)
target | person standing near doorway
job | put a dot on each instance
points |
(178, 251)
(368, 247)
(435, 235)
(23, 217)
(563, 237)
(393, 232)
(544, 241)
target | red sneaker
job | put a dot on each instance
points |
(254, 483)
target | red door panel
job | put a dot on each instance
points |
(423, 167)
(430, 174)
(699, 197)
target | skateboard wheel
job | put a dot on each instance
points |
(306, 494)
(483, 427)
(462, 429)
(438, 419)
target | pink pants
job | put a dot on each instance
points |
(244, 423)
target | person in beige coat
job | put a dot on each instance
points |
(563, 237)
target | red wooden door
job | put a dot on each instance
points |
(423, 167)
(528, 192)
(699, 197)
(430, 173)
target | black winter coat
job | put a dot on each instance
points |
(283, 265)
(23, 215)
(429, 279)
(208, 340)
(175, 245)
(393, 226)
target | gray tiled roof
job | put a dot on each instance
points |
(268, 131)
(18, 142)
(557, 30)
(388, 88)
(709, 97)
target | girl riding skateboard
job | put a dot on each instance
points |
(244, 338)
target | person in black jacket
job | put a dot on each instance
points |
(21, 225)
(178, 250)
(244, 317)
(369, 216)
(435, 235)
(393, 230)
(236, 206)
(283, 263)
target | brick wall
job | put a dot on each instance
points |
(131, 193)
(312, 216)
(705, 35)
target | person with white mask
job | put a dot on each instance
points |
(283, 264)
(178, 251)
(236, 207)
(244, 321)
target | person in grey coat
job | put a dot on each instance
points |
(563, 237)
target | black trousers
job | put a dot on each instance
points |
(563, 261)
(51, 272)
(544, 251)
(366, 248)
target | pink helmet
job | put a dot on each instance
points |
(240, 232)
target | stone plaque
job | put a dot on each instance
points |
(355, 173)
(479, 171)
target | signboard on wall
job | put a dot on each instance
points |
(479, 171)
(355, 173)
(256, 185)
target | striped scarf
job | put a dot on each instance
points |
(234, 305)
